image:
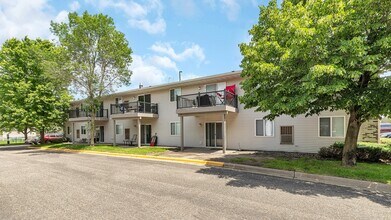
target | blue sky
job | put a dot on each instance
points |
(199, 37)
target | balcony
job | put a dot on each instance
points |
(134, 110)
(207, 102)
(81, 115)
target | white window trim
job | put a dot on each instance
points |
(255, 128)
(216, 84)
(81, 130)
(204, 125)
(293, 134)
(331, 126)
(120, 100)
(169, 94)
(175, 135)
(144, 94)
(116, 130)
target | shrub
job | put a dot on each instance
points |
(386, 141)
(386, 156)
(338, 145)
(332, 152)
(365, 152)
(369, 154)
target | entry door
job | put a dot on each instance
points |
(214, 134)
(127, 134)
(146, 131)
(100, 134)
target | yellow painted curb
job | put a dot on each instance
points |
(150, 157)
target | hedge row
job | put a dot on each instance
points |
(364, 153)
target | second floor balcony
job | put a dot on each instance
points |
(82, 115)
(134, 109)
(205, 102)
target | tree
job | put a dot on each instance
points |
(32, 97)
(99, 57)
(310, 56)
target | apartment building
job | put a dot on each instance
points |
(206, 112)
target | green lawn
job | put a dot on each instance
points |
(12, 142)
(386, 141)
(363, 171)
(110, 149)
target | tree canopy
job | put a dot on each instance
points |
(310, 56)
(32, 97)
(98, 57)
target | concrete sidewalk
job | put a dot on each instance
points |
(206, 153)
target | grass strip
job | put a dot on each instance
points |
(109, 149)
(377, 172)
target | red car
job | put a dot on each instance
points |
(53, 138)
(385, 127)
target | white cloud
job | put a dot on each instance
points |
(146, 16)
(231, 8)
(163, 62)
(19, 18)
(145, 73)
(152, 70)
(159, 26)
(194, 51)
(62, 16)
(74, 6)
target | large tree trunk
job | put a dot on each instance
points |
(42, 134)
(349, 157)
(92, 128)
(25, 133)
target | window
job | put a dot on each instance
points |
(175, 128)
(118, 129)
(118, 101)
(332, 126)
(264, 128)
(174, 93)
(83, 130)
(77, 133)
(68, 130)
(286, 134)
(211, 88)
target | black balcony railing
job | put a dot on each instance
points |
(134, 107)
(77, 113)
(207, 99)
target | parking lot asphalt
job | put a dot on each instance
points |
(36, 184)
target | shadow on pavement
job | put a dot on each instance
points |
(27, 149)
(14, 148)
(33, 152)
(250, 180)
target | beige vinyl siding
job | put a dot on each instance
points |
(240, 126)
